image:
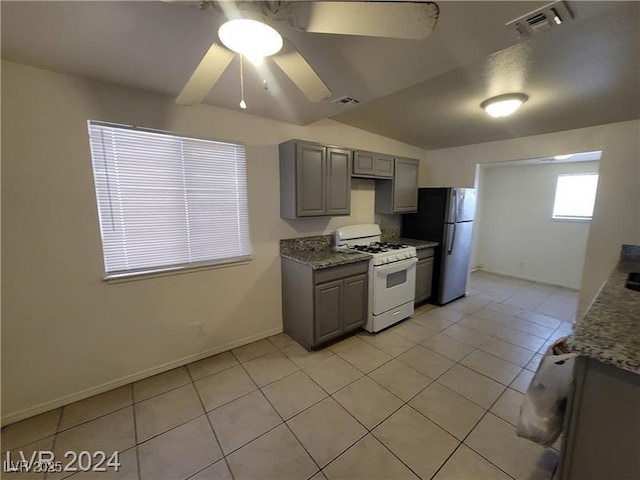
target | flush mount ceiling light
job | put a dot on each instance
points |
(251, 38)
(504, 105)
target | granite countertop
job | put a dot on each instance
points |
(391, 234)
(609, 332)
(324, 258)
(419, 244)
(318, 252)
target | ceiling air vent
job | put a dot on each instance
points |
(346, 100)
(546, 18)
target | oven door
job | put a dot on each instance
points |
(394, 284)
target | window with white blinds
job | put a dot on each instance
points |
(167, 202)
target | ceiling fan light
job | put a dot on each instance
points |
(256, 60)
(504, 105)
(250, 38)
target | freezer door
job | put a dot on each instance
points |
(461, 205)
(454, 267)
(466, 204)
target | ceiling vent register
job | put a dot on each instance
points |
(546, 18)
(346, 100)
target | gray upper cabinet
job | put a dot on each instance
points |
(311, 166)
(372, 165)
(384, 166)
(405, 185)
(400, 194)
(338, 181)
(315, 180)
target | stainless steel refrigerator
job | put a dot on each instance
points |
(445, 215)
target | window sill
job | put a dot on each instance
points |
(571, 219)
(132, 277)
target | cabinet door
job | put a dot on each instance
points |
(424, 275)
(355, 302)
(310, 180)
(405, 186)
(328, 310)
(364, 163)
(338, 182)
(384, 166)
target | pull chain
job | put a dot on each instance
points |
(243, 104)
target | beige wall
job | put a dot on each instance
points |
(616, 218)
(65, 333)
(515, 207)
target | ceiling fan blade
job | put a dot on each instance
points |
(302, 74)
(410, 20)
(207, 73)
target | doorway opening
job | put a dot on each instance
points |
(533, 218)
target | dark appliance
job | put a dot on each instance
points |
(445, 215)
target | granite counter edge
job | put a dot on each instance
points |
(329, 262)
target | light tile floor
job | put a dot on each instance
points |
(435, 397)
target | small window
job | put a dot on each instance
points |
(575, 196)
(167, 202)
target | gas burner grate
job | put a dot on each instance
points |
(372, 248)
(390, 245)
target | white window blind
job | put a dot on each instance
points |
(575, 196)
(166, 201)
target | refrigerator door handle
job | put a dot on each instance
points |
(453, 240)
(455, 206)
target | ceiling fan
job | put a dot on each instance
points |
(249, 32)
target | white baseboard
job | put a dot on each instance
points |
(105, 387)
(531, 279)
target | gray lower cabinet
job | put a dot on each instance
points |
(400, 194)
(328, 299)
(322, 305)
(354, 303)
(315, 180)
(372, 165)
(424, 274)
(602, 424)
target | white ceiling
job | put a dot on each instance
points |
(426, 93)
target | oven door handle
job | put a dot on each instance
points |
(396, 266)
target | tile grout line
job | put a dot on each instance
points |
(55, 438)
(404, 403)
(407, 403)
(215, 436)
(135, 434)
(467, 314)
(367, 374)
(284, 422)
(329, 395)
(54, 434)
(487, 411)
(134, 402)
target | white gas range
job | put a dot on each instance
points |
(392, 274)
